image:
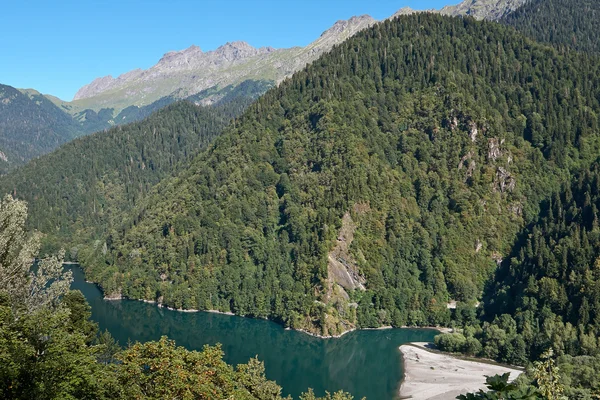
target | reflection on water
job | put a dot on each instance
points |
(364, 363)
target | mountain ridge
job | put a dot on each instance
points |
(141, 87)
(182, 60)
(207, 77)
(186, 72)
(483, 9)
(30, 125)
(405, 160)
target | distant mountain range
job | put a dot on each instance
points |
(45, 122)
(180, 74)
(30, 125)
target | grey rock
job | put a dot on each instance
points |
(187, 72)
(483, 9)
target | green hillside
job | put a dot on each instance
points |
(404, 162)
(77, 191)
(572, 23)
(30, 125)
(554, 270)
(546, 293)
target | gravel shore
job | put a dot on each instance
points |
(437, 376)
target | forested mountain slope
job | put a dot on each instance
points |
(546, 293)
(551, 282)
(77, 191)
(404, 163)
(572, 23)
(34, 124)
(30, 125)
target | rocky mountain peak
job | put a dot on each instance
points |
(189, 71)
(404, 11)
(350, 24)
(233, 51)
(178, 56)
(97, 85)
(483, 9)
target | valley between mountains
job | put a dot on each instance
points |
(434, 169)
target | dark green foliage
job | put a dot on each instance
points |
(580, 376)
(109, 348)
(80, 314)
(30, 125)
(77, 191)
(45, 356)
(547, 293)
(501, 389)
(551, 283)
(571, 23)
(439, 136)
(249, 89)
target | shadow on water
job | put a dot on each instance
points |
(364, 363)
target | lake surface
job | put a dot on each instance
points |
(364, 363)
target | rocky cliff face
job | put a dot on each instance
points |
(483, 9)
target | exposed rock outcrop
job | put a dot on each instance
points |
(342, 268)
(181, 74)
(187, 72)
(494, 151)
(504, 181)
(483, 9)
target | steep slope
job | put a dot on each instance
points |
(546, 294)
(483, 9)
(553, 276)
(181, 74)
(79, 190)
(30, 125)
(205, 78)
(405, 161)
(562, 22)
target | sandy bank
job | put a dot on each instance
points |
(436, 376)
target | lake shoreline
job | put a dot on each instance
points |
(286, 354)
(192, 310)
(431, 374)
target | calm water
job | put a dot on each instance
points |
(364, 363)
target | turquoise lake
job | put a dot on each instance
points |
(364, 363)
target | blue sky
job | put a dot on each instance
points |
(58, 46)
